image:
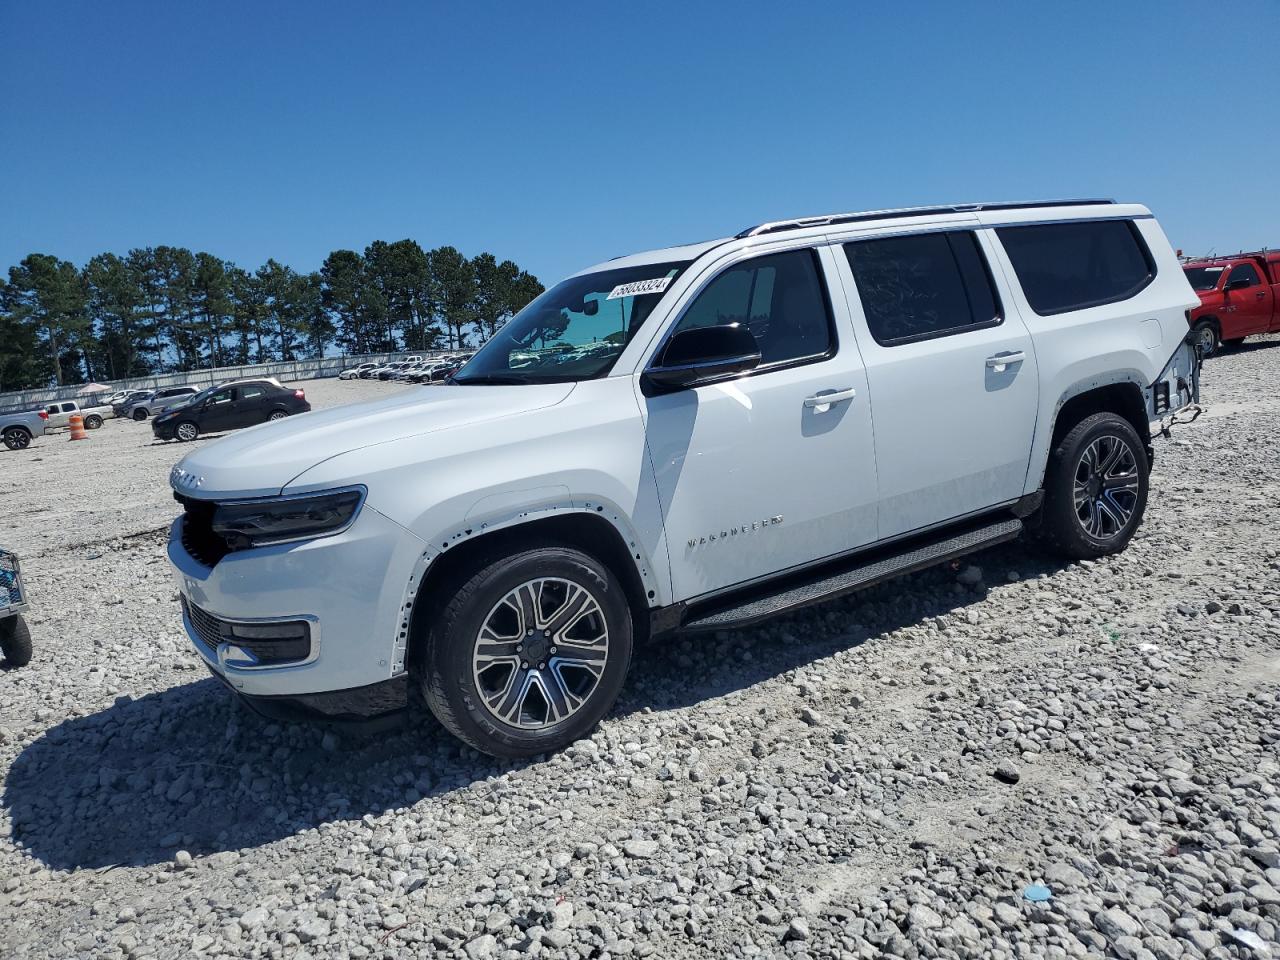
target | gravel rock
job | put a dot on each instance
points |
(1007, 772)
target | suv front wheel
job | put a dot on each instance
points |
(1095, 488)
(530, 653)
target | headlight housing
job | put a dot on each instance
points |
(255, 523)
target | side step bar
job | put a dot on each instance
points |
(856, 573)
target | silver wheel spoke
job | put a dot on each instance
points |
(1106, 486)
(540, 653)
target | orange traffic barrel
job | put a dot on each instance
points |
(77, 427)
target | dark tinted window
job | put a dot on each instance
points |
(1203, 278)
(779, 297)
(1244, 271)
(249, 392)
(1070, 266)
(927, 285)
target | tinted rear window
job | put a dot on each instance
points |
(922, 286)
(1070, 266)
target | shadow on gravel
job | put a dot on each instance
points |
(190, 768)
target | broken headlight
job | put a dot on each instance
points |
(255, 523)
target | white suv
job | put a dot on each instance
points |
(690, 439)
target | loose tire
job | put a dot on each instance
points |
(92, 422)
(15, 641)
(1095, 488)
(186, 431)
(139, 415)
(529, 653)
(278, 414)
(17, 438)
(1206, 332)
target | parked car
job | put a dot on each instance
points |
(61, 411)
(1239, 297)
(389, 370)
(503, 541)
(229, 406)
(442, 372)
(15, 637)
(408, 371)
(17, 430)
(131, 397)
(153, 401)
(359, 370)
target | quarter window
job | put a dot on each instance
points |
(1084, 263)
(923, 286)
(780, 299)
(1244, 271)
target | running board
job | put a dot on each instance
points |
(856, 573)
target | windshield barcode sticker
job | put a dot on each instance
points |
(640, 287)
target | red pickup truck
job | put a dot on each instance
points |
(1239, 296)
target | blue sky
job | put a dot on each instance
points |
(563, 134)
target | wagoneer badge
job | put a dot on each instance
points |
(751, 527)
(181, 479)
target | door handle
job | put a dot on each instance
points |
(1000, 361)
(1259, 296)
(821, 402)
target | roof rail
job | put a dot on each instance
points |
(776, 226)
(1264, 253)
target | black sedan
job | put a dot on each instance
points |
(228, 406)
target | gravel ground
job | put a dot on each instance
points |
(885, 775)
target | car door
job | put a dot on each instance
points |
(951, 372)
(219, 411)
(1250, 302)
(757, 474)
(251, 404)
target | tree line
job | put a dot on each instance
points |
(166, 309)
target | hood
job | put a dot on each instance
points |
(261, 460)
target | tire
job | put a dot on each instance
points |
(278, 414)
(15, 641)
(139, 415)
(1233, 343)
(1093, 530)
(92, 422)
(468, 697)
(1206, 332)
(17, 438)
(186, 431)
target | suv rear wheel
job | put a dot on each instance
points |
(530, 652)
(1095, 488)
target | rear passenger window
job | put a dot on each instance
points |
(779, 297)
(1070, 266)
(928, 285)
(248, 393)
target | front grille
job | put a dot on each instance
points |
(197, 531)
(10, 581)
(274, 651)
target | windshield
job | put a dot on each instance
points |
(1203, 278)
(575, 330)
